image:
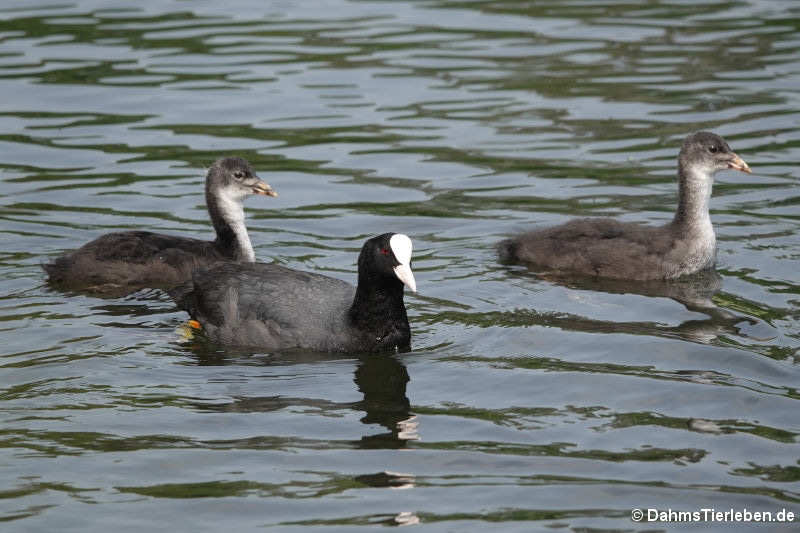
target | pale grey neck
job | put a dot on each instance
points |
(227, 215)
(694, 195)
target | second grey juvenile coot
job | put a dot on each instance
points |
(276, 308)
(604, 247)
(119, 263)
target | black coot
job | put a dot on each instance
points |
(116, 264)
(276, 308)
(607, 248)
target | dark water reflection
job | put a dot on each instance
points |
(527, 401)
(381, 380)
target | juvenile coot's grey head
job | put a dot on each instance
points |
(230, 180)
(234, 178)
(388, 256)
(708, 153)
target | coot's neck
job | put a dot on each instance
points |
(694, 194)
(378, 309)
(227, 215)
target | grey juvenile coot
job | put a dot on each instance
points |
(120, 263)
(277, 308)
(607, 248)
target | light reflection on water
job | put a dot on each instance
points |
(527, 401)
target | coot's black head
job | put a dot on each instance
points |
(234, 178)
(707, 152)
(386, 259)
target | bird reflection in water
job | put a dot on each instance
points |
(383, 379)
(696, 292)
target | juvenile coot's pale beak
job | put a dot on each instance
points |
(737, 163)
(261, 187)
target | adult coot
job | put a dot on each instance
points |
(607, 248)
(276, 308)
(120, 263)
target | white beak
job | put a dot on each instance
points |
(401, 247)
(404, 274)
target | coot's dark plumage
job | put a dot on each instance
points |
(277, 308)
(607, 248)
(120, 263)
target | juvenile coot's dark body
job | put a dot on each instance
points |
(116, 264)
(276, 308)
(608, 248)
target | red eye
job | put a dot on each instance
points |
(385, 251)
